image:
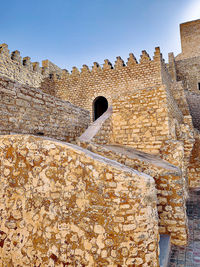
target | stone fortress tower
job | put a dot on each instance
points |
(96, 164)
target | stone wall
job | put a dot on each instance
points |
(188, 71)
(174, 152)
(179, 95)
(173, 108)
(82, 88)
(141, 119)
(28, 110)
(190, 39)
(194, 104)
(181, 129)
(170, 185)
(63, 205)
(48, 85)
(24, 71)
(144, 119)
(194, 165)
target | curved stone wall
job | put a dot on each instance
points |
(61, 204)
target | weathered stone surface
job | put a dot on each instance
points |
(170, 184)
(42, 220)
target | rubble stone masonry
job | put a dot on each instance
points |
(63, 205)
(170, 185)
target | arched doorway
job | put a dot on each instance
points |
(100, 105)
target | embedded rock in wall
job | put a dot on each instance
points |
(61, 204)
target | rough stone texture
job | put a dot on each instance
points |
(48, 85)
(170, 185)
(140, 119)
(185, 67)
(145, 119)
(24, 71)
(28, 110)
(174, 112)
(63, 205)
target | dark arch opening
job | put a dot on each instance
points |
(40, 133)
(100, 105)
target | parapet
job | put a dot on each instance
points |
(22, 70)
(119, 64)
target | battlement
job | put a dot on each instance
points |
(26, 61)
(13, 66)
(107, 65)
(81, 87)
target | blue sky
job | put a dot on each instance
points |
(76, 32)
